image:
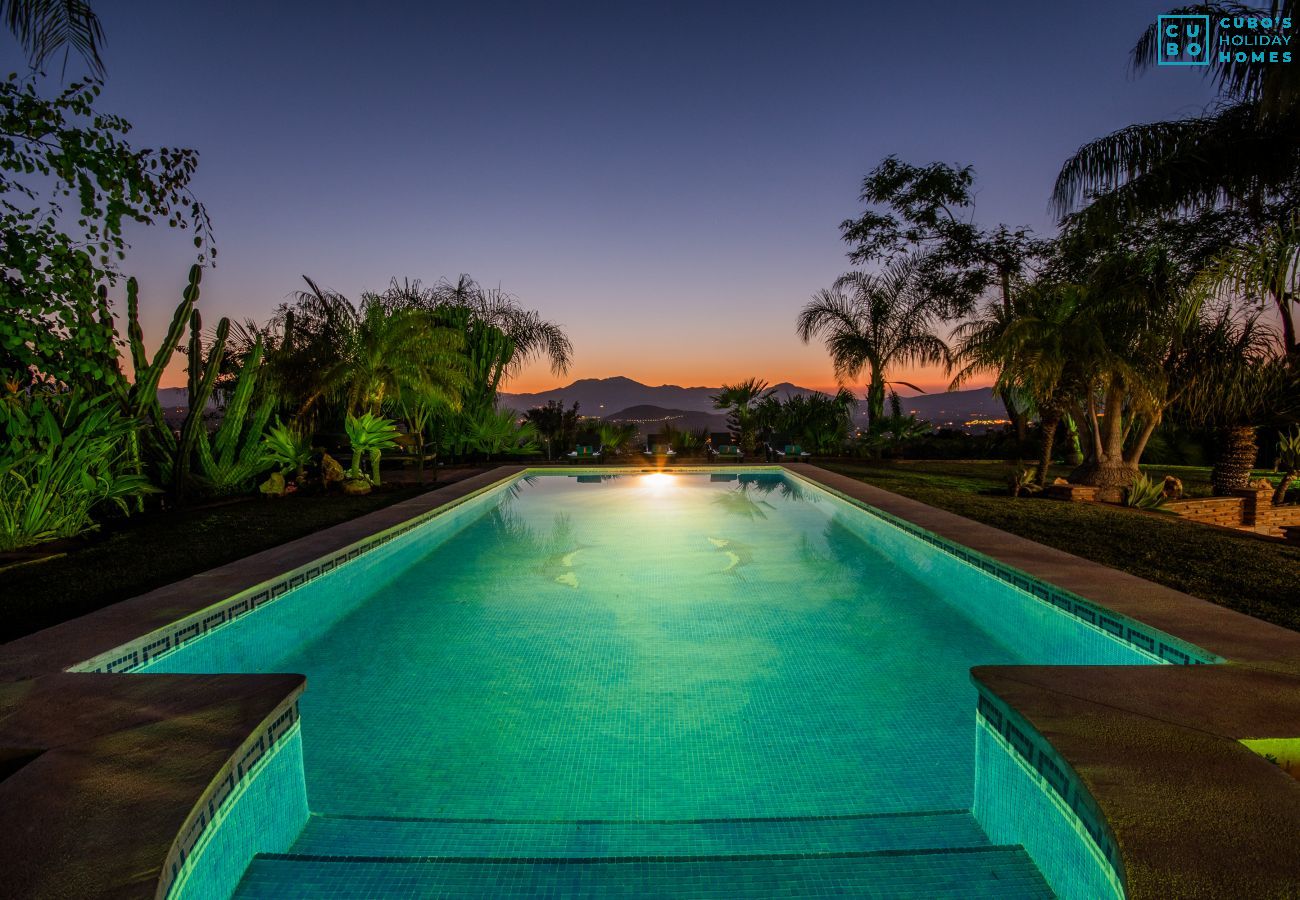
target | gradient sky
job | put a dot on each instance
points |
(665, 180)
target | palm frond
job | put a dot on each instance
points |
(44, 27)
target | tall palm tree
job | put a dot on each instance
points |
(1035, 349)
(44, 27)
(742, 400)
(874, 322)
(530, 336)
(374, 351)
(1139, 347)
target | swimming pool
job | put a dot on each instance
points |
(648, 682)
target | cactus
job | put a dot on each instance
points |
(151, 440)
(142, 396)
(202, 378)
(234, 455)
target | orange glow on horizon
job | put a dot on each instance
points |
(538, 378)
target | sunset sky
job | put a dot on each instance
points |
(665, 180)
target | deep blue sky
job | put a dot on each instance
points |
(666, 180)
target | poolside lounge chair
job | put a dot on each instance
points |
(659, 451)
(793, 453)
(729, 452)
(585, 453)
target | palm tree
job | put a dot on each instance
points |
(502, 336)
(44, 27)
(1288, 460)
(498, 431)
(615, 437)
(819, 422)
(376, 350)
(1244, 385)
(1032, 346)
(1268, 268)
(1131, 346)
(875, 322)
(741, 399)
(1243, 153)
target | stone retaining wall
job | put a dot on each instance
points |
(1225, 511)
(1247, 508)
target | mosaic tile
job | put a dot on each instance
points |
(662, 673)
(997, 873)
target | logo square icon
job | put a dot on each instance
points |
(1183, 40)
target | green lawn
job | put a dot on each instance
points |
(149, 551)
(1239, 571)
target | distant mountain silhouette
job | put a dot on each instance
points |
(952, 409)
(598, 396)
(649, 417)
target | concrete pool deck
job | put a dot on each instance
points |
(1194, 812)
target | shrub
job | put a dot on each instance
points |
(64, 457)
(1023, 481)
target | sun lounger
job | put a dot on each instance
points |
(585, 453)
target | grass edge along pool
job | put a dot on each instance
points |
(1050, 775)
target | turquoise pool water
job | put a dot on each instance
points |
(595, 670)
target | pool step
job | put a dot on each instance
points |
(919, 854)
(390, 837)
(976, 872)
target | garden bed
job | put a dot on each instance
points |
(145, 552)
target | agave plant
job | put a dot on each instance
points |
(63, 458)
(1023, 481)
(288, 447)
(1145, 493)
(369, 435)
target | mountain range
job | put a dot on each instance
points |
(605, 396)
(628, 400)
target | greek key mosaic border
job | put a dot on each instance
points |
(1038, 755)
(1149, 641)
(131, 656)
(240, 767)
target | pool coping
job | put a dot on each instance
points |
(1139, 793)
(1193, 812)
